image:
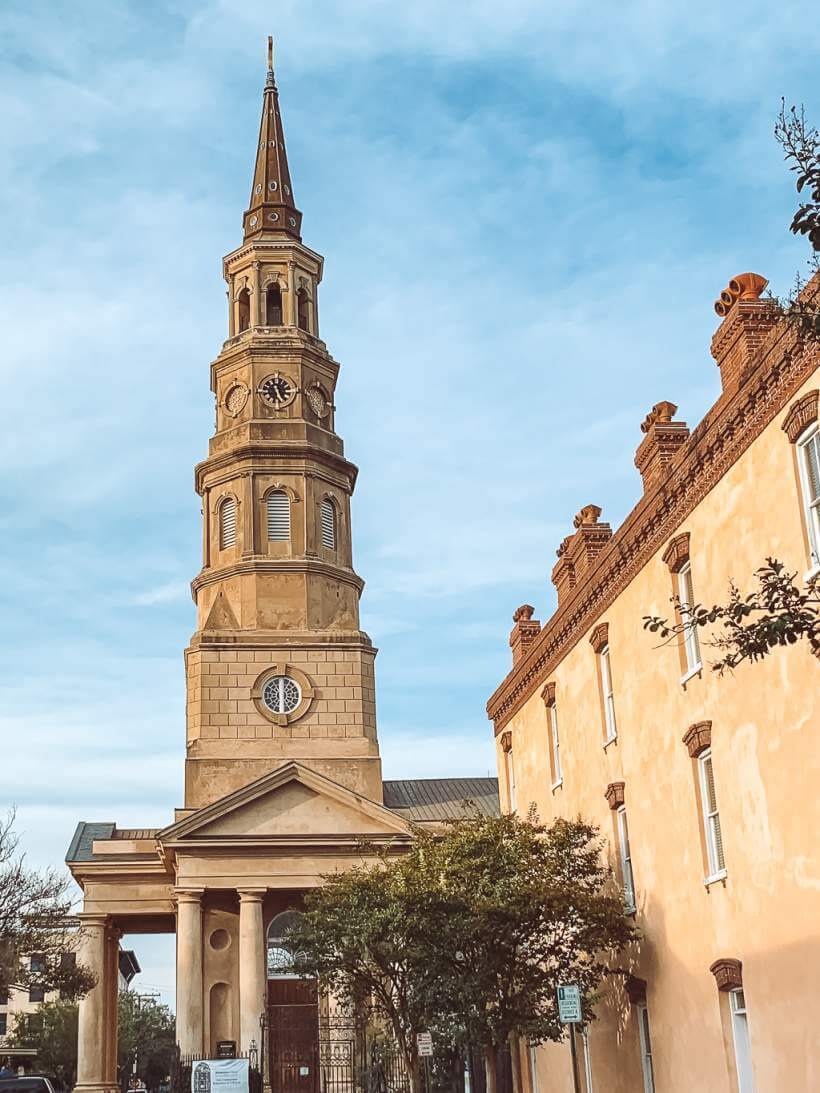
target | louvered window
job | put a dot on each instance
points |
(557, 773)
(626, 861)
(691, 646)
(711, 816)
(511, 780)
(809, 451)
(227, 523)
(609, 695)
(278, 516)
(327, 514)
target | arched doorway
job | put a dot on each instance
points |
(293, 1015)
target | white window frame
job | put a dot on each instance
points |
(510, 764)
(627, 875)
(609, 695)
(555, 747)
(691, 645)
(811, 506)
(711, 821)
(742, 1041)
(587, 1059)
(645, 1039)
(227, 534)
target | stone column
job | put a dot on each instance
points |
(252, 972)
(231, 309)
(189, 970)
(256, 301)
(112, 968)
(92, 1039)
(291, 302)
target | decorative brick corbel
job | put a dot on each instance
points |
(728, 973)
(525, 631)
(676, 554)
(661, 443)
(615, 794)
(548, 694)
(599, 636)
(636, 990)
(802, 413)
(698, 738)
(506, 740)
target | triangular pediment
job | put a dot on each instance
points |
(292, 802)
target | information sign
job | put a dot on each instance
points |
(220, 1076)
(424, 1041)
(569, 1004)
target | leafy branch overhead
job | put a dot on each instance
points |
(777, 613)
(801, 145)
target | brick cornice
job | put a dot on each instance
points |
(802, 413)
(718, 442)
(698, 738)
(676, 554)
(615, 794)
(728, 973)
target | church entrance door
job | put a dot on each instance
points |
(293, 1043)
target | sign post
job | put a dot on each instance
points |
(424, 1043)
(569, 1013)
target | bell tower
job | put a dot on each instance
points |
(278, 669)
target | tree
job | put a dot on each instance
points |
(147, 1035)
(777, 613)
(52, 1029)
(38, 936)
(470, 933)
(801, 144)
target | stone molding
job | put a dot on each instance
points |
(548, 694)
(728, 973)
(676, 554)
(698, 738)
(599, 638)
(615, 794)
(264, 563)
(635, 990)
(802, 413)
(305, 686)
(722, 437)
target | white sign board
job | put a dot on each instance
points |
(220, 1076)
(569, 1004)
(424, 1041)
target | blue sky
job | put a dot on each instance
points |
(526, 210)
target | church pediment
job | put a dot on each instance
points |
(292, 802)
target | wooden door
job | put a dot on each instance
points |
(293, 1008)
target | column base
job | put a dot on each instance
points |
(96, 1087)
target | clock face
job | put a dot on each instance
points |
(277, 390)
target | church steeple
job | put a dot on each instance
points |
(272, 210)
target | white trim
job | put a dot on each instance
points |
(714, 878)
(557, 785)
(610, 721)
(645, 1040)
(711, 820)
(627, 873)
(698, 668)
(742, 1041)
(691, 645)
(811, 505)
(587, 1059)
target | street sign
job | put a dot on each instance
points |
(569, 1004)
(226, 1049)
(424, 1042)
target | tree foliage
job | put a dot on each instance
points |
(801, 146)
(52, 1029)
(775, 614)
(36, 921)
(469, 933)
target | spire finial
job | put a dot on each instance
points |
(269, 82)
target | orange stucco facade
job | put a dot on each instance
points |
(718, 501)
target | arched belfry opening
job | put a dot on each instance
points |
(303, 309)
(244, 310)
(273, 305)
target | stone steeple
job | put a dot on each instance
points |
(271, 208)
(278, 669)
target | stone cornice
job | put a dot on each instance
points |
(273, 451)
(264, 564)
(727, 430)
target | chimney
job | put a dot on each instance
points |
(577, 553)
(662, 440)
(524, 633)
(747, 319)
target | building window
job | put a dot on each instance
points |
(555, 747)
(511, 780)
(273, 305)
(3, 1024)
(808, 454)
(605, 665)
(627, 876)
(227, 523)
(743, 1045)
(303, 309)
(36, 994)
(278, 508)
(587, 1060)
(327, 513)
(244, 310)
(711, 817)
(646, 1048)
(686, 596)
(4, 996)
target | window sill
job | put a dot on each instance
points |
(557, 785)
(715, 878)
(696, 671)
(610, 741)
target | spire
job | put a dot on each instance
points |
(271, 207)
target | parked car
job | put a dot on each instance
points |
(28, 1083)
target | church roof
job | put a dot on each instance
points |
(440, 798)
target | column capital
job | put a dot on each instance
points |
(189, 895)
(251, 895)
(88, 919)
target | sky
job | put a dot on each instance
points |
(526, 211)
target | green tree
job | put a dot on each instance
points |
(36, 922)
(470, 933)
(147, 1036)
(52, 1029)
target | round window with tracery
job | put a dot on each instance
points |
(281, 694)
